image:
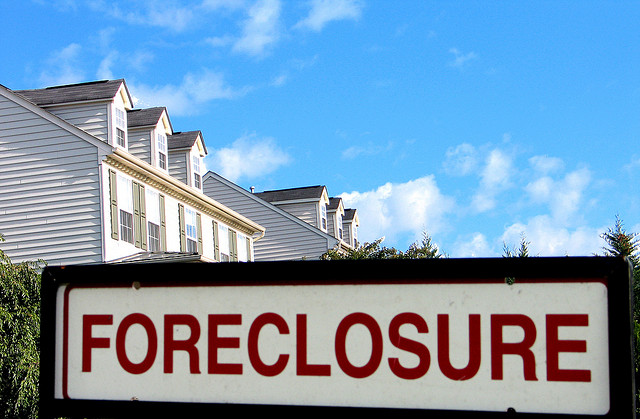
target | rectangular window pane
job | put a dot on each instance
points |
(126, 226)
(196, 181)
(162, 161)
(190, 224)
(192, 246)
(154, 237)
(120, 137)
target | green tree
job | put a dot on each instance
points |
(520, 252)
(374, 250)
(19, 337)
(620, 243)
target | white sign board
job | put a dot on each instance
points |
(533, 346)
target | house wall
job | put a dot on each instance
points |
(118, 248)
(92, 118)
(306, 211)
(285, 238)
(49, 189)
(140, 144)
(178, 165)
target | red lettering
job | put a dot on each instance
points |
(188, 345)
(555, 346)
(88, 341)
(152, 343)
(302, 367)
(444, 361)
(376, 348)
(499, 348)
(254, 355)
(216, 342)
(409, 345)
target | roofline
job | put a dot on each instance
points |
(67, 126)
(272, 207)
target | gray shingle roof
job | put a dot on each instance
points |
(95, 90)
(186, 139)
(144, 117)
(306, 192)
(334, 202)
(349, 213)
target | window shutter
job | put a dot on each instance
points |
(183, 232)
(163, 225)
(216, 242)
(113, 197)
(139, 217)
(233, 246)
(199, 231)
(248, 241)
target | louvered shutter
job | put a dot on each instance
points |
(113, 197)
(199, 231)
(183, 232)
(216, 242)
(163, 225)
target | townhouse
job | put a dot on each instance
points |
(301, 223)
(86, 178)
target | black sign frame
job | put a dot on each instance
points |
(616, 273)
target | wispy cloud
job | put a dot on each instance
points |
(324, 11)
(261, 29)
(63, 66)
(250, 156)
(495, 178)
(195, 90)
(460, 59)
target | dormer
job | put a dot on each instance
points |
(307, 203)
(350, 224)
(186, 153)
(99, 107)
(148, 132)
(335, 212)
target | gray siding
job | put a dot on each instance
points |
(92, 118)
(178, 165)
(305, 211)
(285, 238)
(49, 190)
(140, 144)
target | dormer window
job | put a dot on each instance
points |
(162, 151)
(323, 216)
(197, 179)
(121, 124)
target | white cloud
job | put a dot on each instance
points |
(495, 178)
(563, 196)
(261, 29)
(104, 69)
(164, 14)
(547, 237)
(472, 246)
(249, 156)
(63, 66)
(396, 208)
(184, 99)
(461, 160)
(546, 164)
(461, 59)
(324, 11)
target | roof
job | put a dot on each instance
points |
(81, 92)
(349, 214)
(161, 257)
(180, 140)
(306, 192)
(334, 203)
(144, 117)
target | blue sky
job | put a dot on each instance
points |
(474, 121)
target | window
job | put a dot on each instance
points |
(121, 126)
(162, 151)
(125, 205)
(197, 182)
(154, 237)
(191, 230)
(224, 243)
(323, 216)
(153, 219)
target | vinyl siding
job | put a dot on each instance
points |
(285, 239)
(92, 118)
(140, 144)
(49, 190)
(178, 162)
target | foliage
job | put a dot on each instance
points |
(520, 252)
(425, 249)
(19, 337)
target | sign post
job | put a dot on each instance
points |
(458, 337)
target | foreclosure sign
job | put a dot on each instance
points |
(542, 336)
